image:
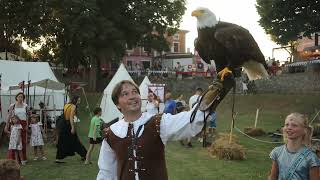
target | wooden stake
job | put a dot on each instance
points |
(256, 120)
(231, 128)
(231, 131)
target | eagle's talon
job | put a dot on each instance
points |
(223, 73)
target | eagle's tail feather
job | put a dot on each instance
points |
(255, 70)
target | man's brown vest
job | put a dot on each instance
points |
(149, 149)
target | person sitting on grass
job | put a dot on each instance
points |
(94, 133)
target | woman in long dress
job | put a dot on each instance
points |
(68, 140)
(21, 110)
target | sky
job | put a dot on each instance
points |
(241, 12)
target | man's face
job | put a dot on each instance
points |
(129, 100)
(168, 95)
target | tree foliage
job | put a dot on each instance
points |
(19, 20)
(288, 20)
(76, 31)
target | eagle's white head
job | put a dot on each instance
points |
(205, 17)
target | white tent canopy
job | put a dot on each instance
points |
(109, 109)
(46, 83)
(14, 72)
(144, 90)
(144, 87)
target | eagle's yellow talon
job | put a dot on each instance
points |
(223, 72)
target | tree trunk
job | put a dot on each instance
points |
(95, 71)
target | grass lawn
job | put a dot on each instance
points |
(194, 163)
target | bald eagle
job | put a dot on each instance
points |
(229, 45)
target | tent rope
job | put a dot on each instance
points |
(255, 139)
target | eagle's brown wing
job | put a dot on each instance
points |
(239, 40)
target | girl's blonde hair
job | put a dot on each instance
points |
(303, 121)
(15, 117)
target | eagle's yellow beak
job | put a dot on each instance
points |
(196, 13)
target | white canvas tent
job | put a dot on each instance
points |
(13, 72)
(109, 109)
(144, 90)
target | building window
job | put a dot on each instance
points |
(176, 37)
(127, 48)
(146, 64)
(175, 47)
(129, 65)
(144, 50)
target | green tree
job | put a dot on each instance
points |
(91, 32)
(20, 19)
(287, 20)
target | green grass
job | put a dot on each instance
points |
(195, 163)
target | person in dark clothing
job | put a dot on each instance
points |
(68, 140)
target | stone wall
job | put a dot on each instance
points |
(292, 83)
(307, 82)
(304, 82)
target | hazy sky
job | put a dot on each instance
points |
(239, 12)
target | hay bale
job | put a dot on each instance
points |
(222, 149)
(254, 131)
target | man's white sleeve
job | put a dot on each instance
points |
(107, 163)
(178, 126)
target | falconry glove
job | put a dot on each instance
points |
(210, 96)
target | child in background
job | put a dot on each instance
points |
(15, 142)
(36, 140)
(294, 159)
(9, 170)
(94, 133)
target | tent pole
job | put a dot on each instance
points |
(34, 96)
(10, 96)
(44, 101)
(27, 100)
(66, 94)
(28, 93)
(23, 87)
(45, 92)
(0, 97)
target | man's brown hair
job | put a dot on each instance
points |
(118, 88)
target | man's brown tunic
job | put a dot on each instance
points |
(149, 150)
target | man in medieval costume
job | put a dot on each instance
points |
(134, 146)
